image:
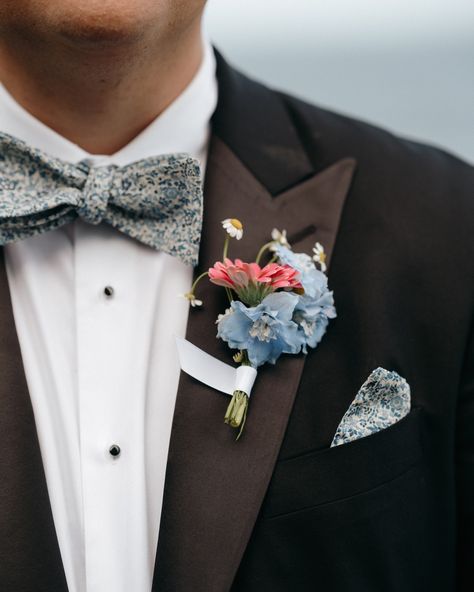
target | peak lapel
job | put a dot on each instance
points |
(214, 485)
(29, 552)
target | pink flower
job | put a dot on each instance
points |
(280, 276)
(252, 282)
(233, 275)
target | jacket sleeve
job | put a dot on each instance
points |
(465, 474)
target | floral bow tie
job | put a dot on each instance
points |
(157, 201)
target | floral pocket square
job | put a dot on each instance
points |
(383, 399)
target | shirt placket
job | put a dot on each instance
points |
(110, 412)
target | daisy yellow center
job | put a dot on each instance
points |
(322, 257)
(236, 223)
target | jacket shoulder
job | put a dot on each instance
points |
(401, 168)
(283, 140)
(321, 128)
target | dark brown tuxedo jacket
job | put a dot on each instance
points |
(280, 510)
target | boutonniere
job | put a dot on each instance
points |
(278, 304)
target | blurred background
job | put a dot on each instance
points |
(407, 65)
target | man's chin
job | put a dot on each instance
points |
(97, 34)
(93, 27)
(88, 23)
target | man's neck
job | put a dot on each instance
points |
(99, 100)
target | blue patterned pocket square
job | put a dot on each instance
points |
(383, 399)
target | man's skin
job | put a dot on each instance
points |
(98, 71)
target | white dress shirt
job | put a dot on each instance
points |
(102, 370)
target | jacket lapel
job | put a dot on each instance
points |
(29, 552)
(214, 485)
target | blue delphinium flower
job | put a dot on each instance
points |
(312, 317)
(312, 280)
(316, 306)
(264, 331)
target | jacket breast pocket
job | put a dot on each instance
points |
(341, 472)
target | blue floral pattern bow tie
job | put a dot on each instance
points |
(157, 201)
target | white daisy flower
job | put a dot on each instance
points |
(193, 301)
(233, 227)
(320, 256)
(279, 238)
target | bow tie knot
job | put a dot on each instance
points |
(96, 194)
(157, 201)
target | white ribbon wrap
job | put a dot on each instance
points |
(212, 372)
(244, 379)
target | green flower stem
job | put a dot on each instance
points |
(229, 295)
(262, 250)
(236, 413)
(226, 247)
(224, 255)
(245, 358)
(197, 280)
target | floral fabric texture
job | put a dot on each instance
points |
(383, 400)
(157, 201)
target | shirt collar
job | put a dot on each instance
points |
(184, 126)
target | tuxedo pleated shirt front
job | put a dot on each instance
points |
(96, 314)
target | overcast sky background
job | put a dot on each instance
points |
(407, 65)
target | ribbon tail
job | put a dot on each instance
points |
(237, 382)
(205, 368)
